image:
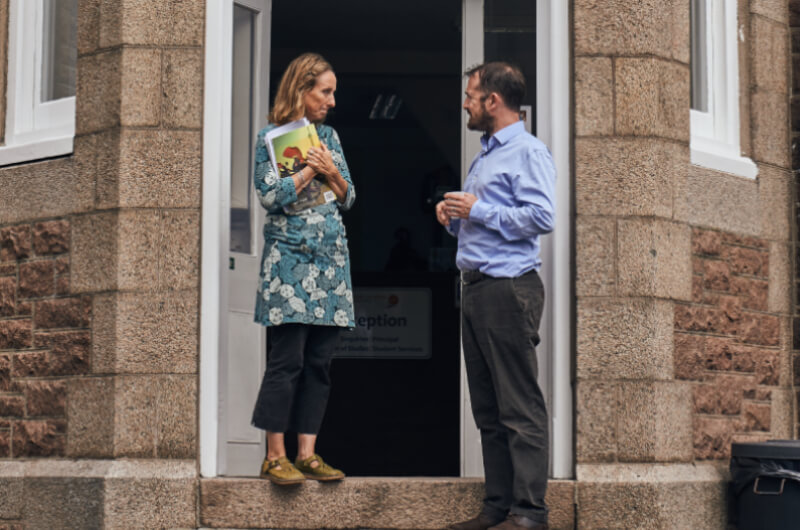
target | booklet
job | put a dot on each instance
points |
(288, 146)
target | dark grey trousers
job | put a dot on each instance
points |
(500, 321)
(294, 391)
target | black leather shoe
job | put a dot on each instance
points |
(482, 522)
(520, 522)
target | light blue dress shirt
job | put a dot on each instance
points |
(514, 179)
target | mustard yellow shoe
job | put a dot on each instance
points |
(281, 472)
(322, 471)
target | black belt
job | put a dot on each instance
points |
(470, 277)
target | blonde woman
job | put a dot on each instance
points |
(305, 292)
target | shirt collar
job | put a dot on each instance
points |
(502, 136)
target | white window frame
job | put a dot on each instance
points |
(715, 141)
(34, 129)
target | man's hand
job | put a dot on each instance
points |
(441, 214)
(458, 204)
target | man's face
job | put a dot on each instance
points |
(479, 119)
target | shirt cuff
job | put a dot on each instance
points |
(479, 211)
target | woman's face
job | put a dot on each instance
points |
(319, 100)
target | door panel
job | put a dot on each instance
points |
(245, 348)
(244, 357)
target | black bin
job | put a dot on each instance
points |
(765, 485)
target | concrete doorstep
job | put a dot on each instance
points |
(363, 503)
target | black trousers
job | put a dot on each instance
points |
(296, 384)
(500, 322)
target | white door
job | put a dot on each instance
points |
(243, 359)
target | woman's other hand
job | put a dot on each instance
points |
(320, 160)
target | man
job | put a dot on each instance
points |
(507, 203)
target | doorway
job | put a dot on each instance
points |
(229, 377)
(394, 404)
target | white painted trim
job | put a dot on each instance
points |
(720, 157)
(222, 198)
(554, 129)
(34, 129)
(701, 123)
(715, 141)
(471, 55)
(36, 150)
(212, 254)
(726, 72)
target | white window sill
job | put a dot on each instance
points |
(36, 150)
(714, 155)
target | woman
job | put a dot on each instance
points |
(305, 293)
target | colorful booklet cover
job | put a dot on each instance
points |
(288, 146)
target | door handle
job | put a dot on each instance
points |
(232, 263)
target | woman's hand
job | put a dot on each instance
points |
(320, 160)
(302, 178)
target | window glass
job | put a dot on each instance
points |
(59, 49)
(509, 28)
(700, 64)
(242, 138)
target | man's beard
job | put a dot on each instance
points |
(480, 122)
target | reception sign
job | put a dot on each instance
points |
(391, 323)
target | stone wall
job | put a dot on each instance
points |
(683, 274)
(727, 342)
(632, 243)
(44, 338)
(794, 20)
(128, 199)
(136, 252)
(98, 333)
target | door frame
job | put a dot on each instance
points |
(553, 127)
(242, 446)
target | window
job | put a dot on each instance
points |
(42, 57)
(242, 134)
(715, 88)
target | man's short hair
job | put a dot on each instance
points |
(503, 78)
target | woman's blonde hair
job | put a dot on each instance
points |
(300, 77)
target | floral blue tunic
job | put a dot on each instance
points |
(305, 267)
